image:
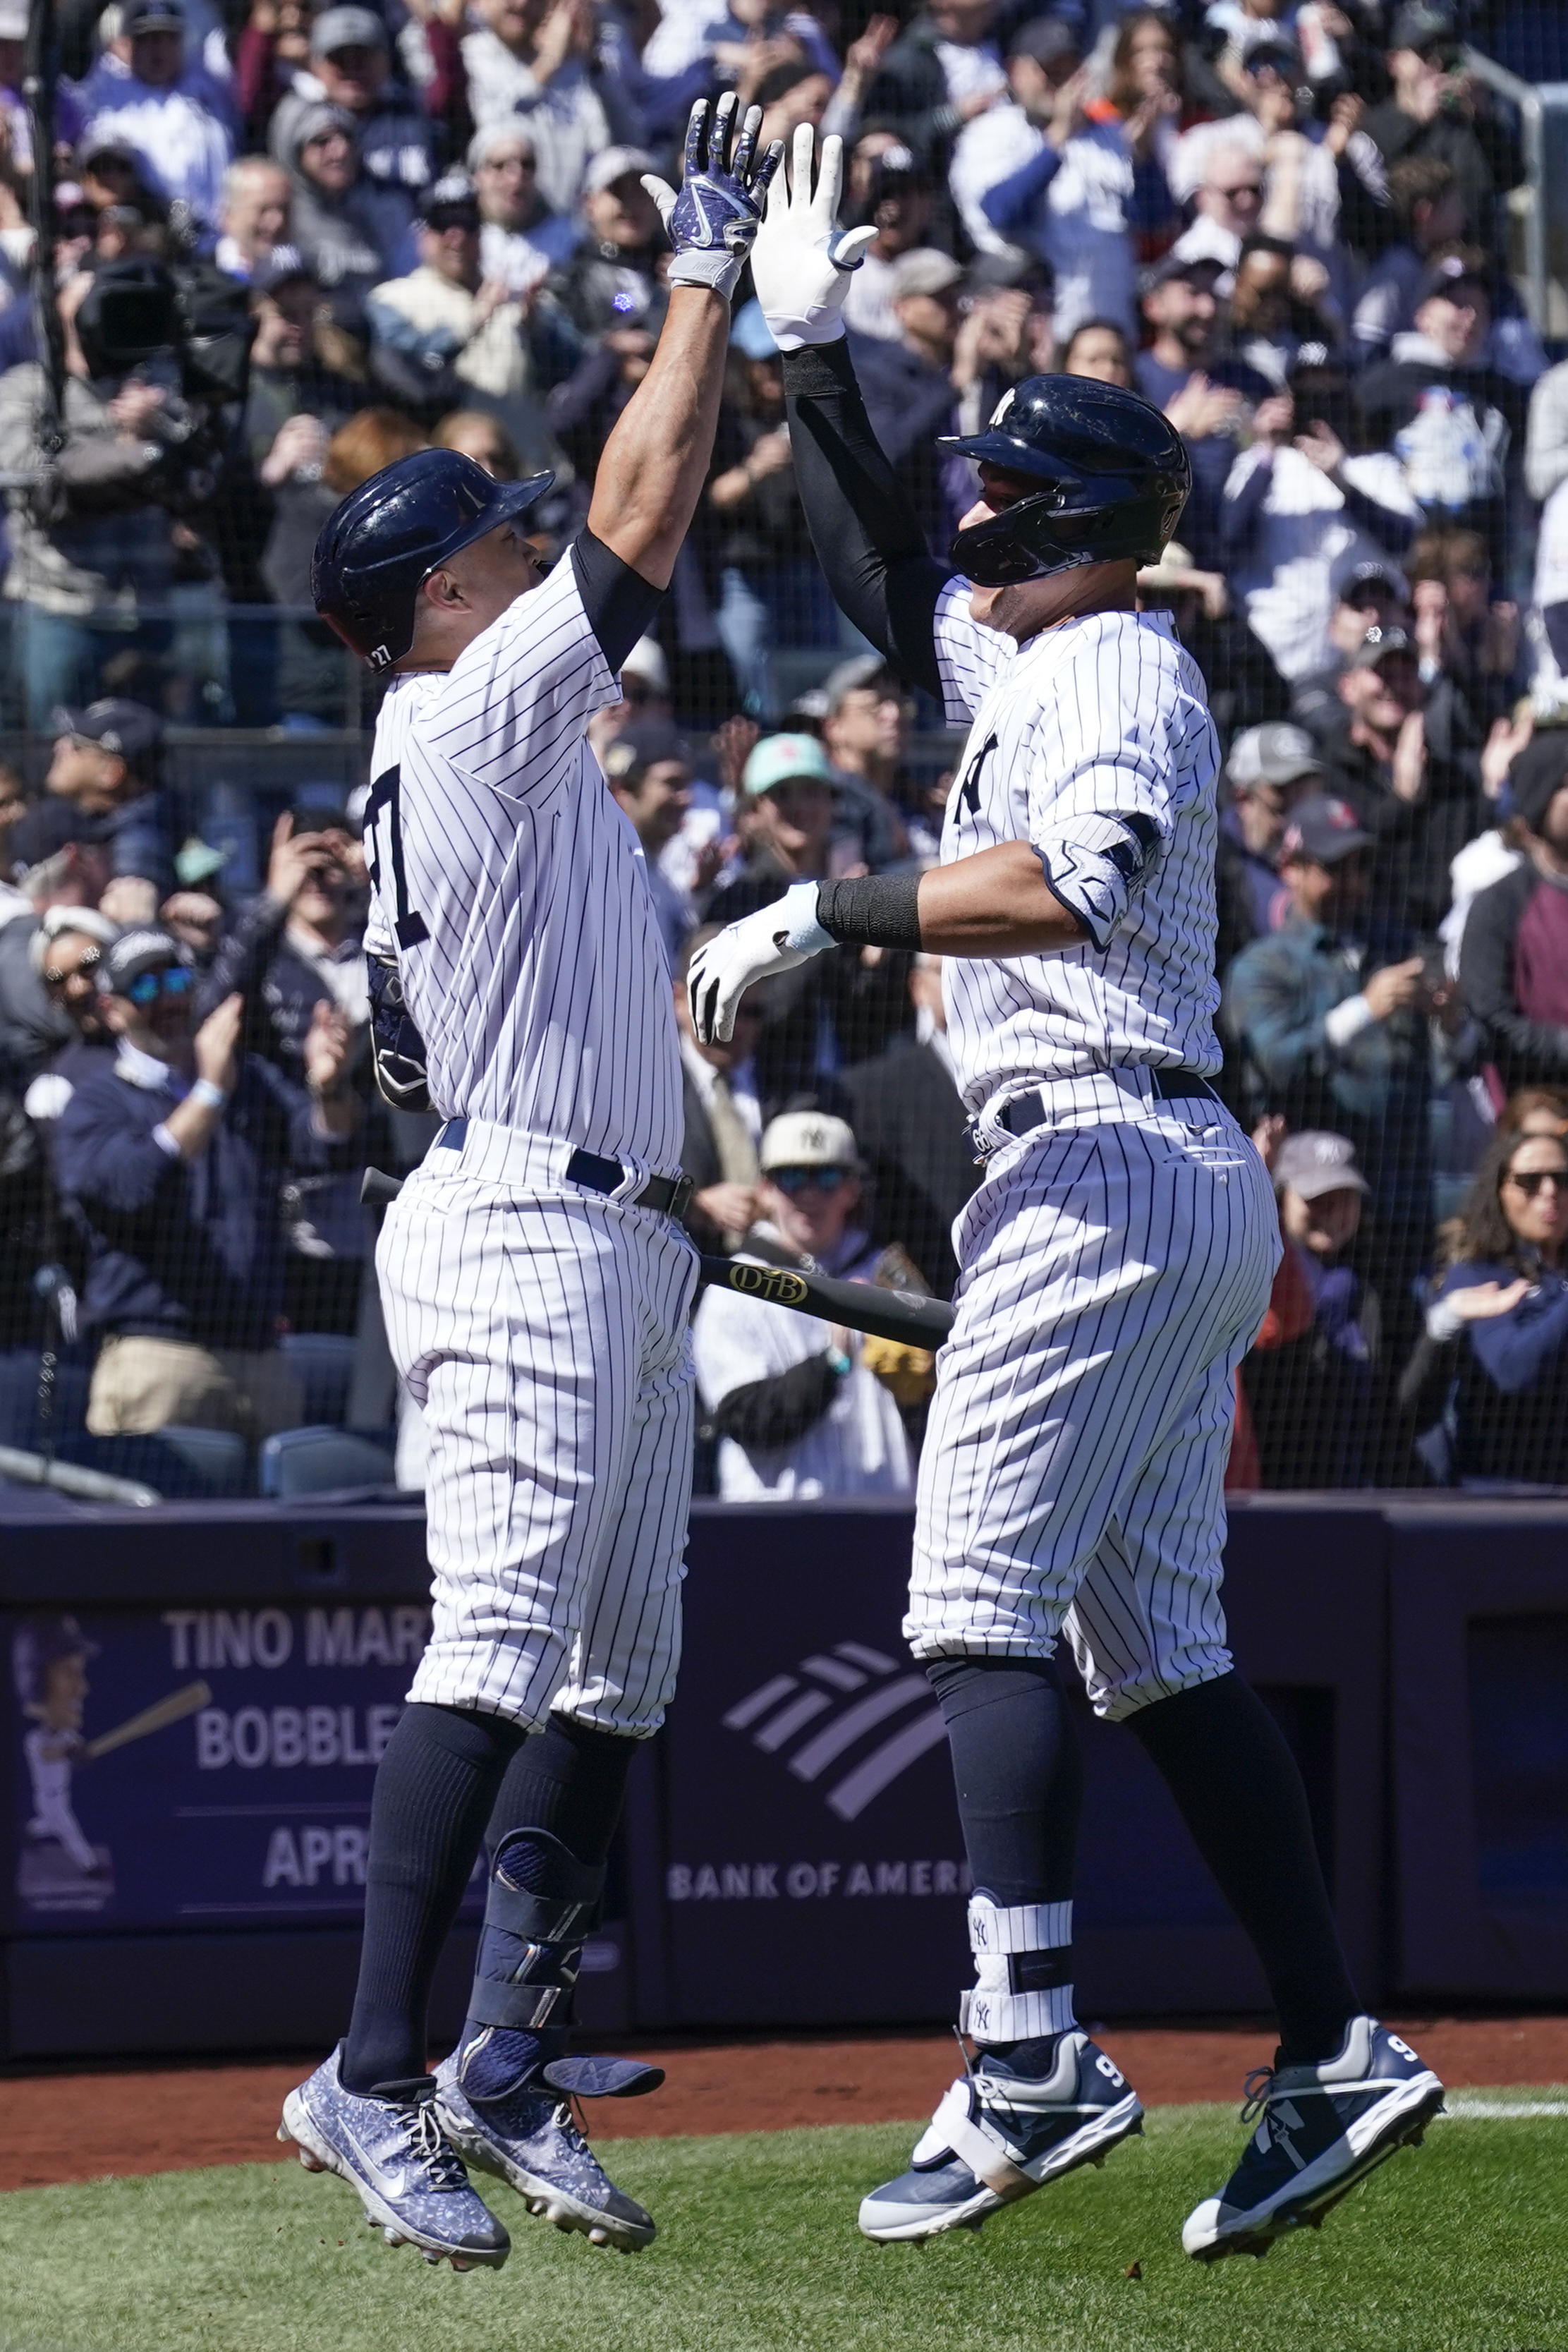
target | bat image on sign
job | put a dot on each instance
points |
(898, 1315)
(172, 1710)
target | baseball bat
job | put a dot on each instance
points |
(897, 1315)
(172, 1710)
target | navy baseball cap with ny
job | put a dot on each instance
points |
(379, 547)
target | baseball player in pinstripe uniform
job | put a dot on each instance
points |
(1115, 1261)
(537, 1285)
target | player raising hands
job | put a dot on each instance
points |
(1115, 1262)
(536, 1283)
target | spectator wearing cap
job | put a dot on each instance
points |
(1437, 109)
(1310, 1394)
(839, 1008)
(649, 771)
(252, 216)
(521, 240)
(165, 106)
(1513, 959)
(865, 733)
(1495, 1346)
(351, 68)
(909, 1121)
(771, 591)
(170, 1162)
(611, 279)
(1038, 172)
(444, 334)
(1428, 214)
(58, 861)
(531, 61)
(1300, 512)
(105, 760)
(723, 1115)
(899, 199)
(1329, 1015)
(798, 1412)
(1404, 753)
(348, 229)
(787, 825)
(1182, 371)
(1373, 594)
(910, 386)
(1449, 415)
(1269, 771)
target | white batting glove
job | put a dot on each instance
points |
(776, 938)
(801, 262)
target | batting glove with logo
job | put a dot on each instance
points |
(713, 223)
(775, 938)
(803, 260)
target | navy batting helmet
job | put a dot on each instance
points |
(380, 545)
(1113, 476)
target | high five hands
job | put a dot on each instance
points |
(712, 224)
(801, 262)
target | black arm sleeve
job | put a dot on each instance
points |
(766, 1414)
(866, 533)
(619, 602)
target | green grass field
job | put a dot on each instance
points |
(1460, 2247)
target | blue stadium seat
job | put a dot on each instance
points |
(312, 1461)
(185, 1464)
(324, 1362)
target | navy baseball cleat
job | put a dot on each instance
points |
(997, 2136)
(390, 2149)
(528, 2137)
(1321, 2129)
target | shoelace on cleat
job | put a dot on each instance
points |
(431, 2151)
(1256, 2093)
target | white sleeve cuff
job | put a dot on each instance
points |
(1347, 1021)
(1443, 1320)
(165, 1141)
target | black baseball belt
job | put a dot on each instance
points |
(669, 1194)
(1031, 1110)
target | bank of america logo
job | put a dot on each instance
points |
(778, 1712)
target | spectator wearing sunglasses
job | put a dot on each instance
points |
(106, 762)
(58, 862)
(170, 1159)
(1502, 1313)
(66, 951)
(797, 1412)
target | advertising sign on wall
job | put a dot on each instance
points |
(199, 1767)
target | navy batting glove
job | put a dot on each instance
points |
(713, 223)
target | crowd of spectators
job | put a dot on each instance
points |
(291, 245)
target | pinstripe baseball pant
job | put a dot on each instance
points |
(1073, 1478)
(545, 1335)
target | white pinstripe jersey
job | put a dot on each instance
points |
(1105, 716)
(517, 892)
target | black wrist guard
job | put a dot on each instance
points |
(881, 910)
